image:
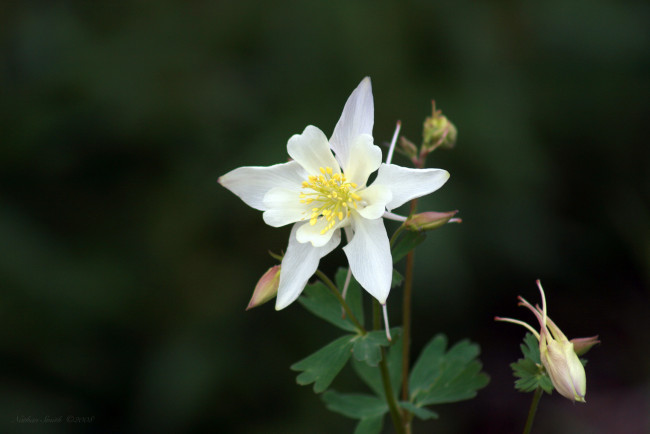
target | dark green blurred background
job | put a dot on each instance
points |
(125, 268)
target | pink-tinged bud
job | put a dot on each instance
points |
(430, 220)
(558, 355)
(564, 367)
(582, 345)
(266, 288)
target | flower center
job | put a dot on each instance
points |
(331, 194)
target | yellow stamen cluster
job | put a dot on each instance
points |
(331, 192)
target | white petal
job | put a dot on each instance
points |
(369, 257)
(365, 158)
(298, 265)
(251, 183)
(312, 150)
(312, 234)
(407, 184)
(283, 207)
(375, 197)
(357, 118)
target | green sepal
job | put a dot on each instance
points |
(441, 376)
(324, 365)
(529, 371)
(408, 242)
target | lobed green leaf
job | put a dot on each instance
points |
(529, 371)
(370, 425)
(530, 376)
(371, 375)
(408, 242)
(319, 300)
(324, 365)
(419, 412)
(530, 348)
(355, 406)
(441, 376)
(367, 348)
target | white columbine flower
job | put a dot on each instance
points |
(322, 193)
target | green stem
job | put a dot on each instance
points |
(533, 409)
(406, 307)
(393, 407)
(406, 316)
(326, 280)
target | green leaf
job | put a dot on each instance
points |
(441, 376)
(367, 348)
(419, 412)
(530, 376)
(356, 406)
(319, 300)
(529, 370)
(407, 243)
(397, 279)
(371, 375)
(370, 425)
(530, 348)
(322, 367)
(353, 296)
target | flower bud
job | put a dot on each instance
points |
(266, 288)
(430, 220)
(558, 355)
(438, 131)
(564, 367)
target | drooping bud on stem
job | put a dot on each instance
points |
(558, 355)
(266, 288)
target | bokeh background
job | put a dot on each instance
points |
(125, 268)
